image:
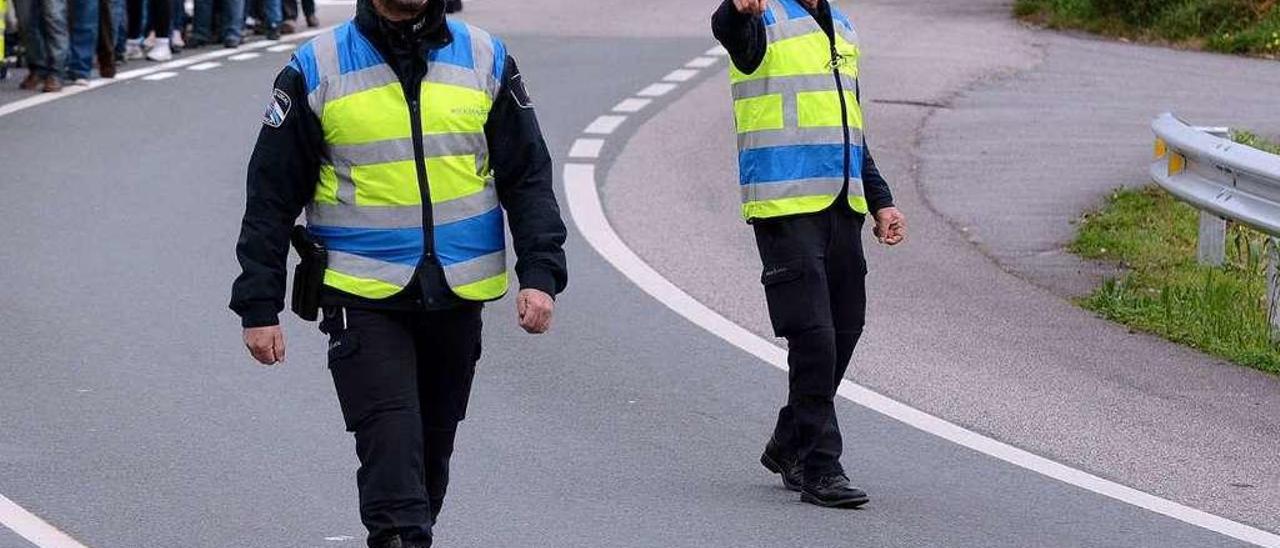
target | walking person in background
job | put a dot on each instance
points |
(84, 25)
(290, 9)
(807, 182)
(229, 16)
(159, 21)
(106, 39)
(44, 31)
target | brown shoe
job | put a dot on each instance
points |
(31, 82)
(287, 28)
(52, 84)
(107, 65)
(313, 21)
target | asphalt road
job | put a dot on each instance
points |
(130, 416)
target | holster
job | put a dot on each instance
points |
(308, 276)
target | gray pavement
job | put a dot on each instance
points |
(950, 330)
(131, 416)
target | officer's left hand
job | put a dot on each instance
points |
(534, 309)
(891, 226)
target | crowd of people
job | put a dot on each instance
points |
(62, 41)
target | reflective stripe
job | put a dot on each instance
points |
(792, 84)
(346, 186)
(803, 136)
(482, 51)
(793, 28)
(793, 189)
(373, 269)
(361, 80)
(352, 216)
(464, 207)
(477, 269)
(401, 150)
(325, 53)
(453, 75)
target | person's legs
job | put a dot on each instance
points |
(54, 15)
(374, 367)
(106, 48)
(448, 348)
(202, 23)
(232, 21)
(271, 15)
(30, 16)
(83, 15)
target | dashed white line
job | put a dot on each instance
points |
(632, 105)
(701, 62)
(205, 66)
(31, 527)
(586, 148)
(245, 56)
(281, 48)
(718, 51)
(656, 90)
(680, 75)
(159, 76)
(605, 125)
(588, 214)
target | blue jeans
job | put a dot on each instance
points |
(231, 17)
(84, 37)
(272, 11)
(44, 25)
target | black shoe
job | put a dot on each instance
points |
(273, 34)
(774, 461)
(231, 43)
(833, 491)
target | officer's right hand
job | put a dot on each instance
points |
(266, 344)
(751, 7)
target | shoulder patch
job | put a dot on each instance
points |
(278, 109)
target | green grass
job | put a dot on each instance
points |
(1230, 26)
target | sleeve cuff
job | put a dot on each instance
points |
(539, 279)
(259, 318)
(877, 206)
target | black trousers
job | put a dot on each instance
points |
(814, 281)
(403, 380)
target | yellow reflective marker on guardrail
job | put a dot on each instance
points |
(1177, 163)
(1161, 148)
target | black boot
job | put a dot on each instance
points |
(833, 491)
(776, 461)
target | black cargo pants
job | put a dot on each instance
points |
(403, 380)
(814, 281)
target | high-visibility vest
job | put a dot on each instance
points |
(798, 119)
(367, 208)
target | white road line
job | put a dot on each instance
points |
(159, 76)
(205, 66)
(632, 105)
(586, 148)
(605, 125)
(656, 90)
(43, 98)
(588, 214)
(717, 51)
(245, 56)
(32, 528)
(280, 48)
(701, 62)
(680, 75)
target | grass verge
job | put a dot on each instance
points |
(1220, 310)
(1249, 27)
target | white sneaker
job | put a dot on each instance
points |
(79, 82)
(133, 49)
(160, 51)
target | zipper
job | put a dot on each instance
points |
(836, 60)
(413, 92)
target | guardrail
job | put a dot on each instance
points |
(1225, 180)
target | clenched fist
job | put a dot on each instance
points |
(266, 344)
(891, 226)
(751, 7)
(534, 309)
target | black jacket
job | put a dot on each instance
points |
(744, 38)
(286, 162)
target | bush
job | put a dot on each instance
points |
(1230, 26)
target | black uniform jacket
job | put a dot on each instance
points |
(286, 162)
(744, 38)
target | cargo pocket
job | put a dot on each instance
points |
(787, 293)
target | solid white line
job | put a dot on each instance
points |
(32, 528)
(586, 148)
(588, 215)
(605, 125)
(244, 56)
(279, 48)
(159, 76)
(656, 90)
(205, 66)
(680, 75)
(96, 83)
(701, 62)
(632, 105)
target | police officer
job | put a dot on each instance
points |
(405, 136)
(807, 180)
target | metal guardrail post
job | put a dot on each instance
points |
(1211, 245)
(1273, 287)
